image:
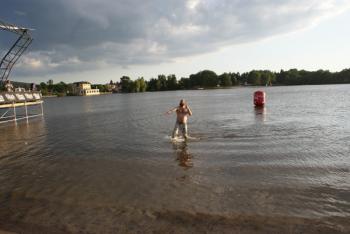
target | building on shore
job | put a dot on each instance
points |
(113, 87)
(84, 89)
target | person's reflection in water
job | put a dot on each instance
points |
(260, 113)
(182, 155)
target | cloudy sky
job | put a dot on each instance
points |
(100, 40)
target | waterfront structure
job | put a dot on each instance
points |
(8, 86)
(20, 90)
(16, 50)
(83, 88)
(17, 104)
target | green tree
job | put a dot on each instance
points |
(243, 79)
(267, 77)
(152, 85)
(143, 85)
(343, 76)
(204, 78)
(292, 77)
(43, 88)
(125, 82)
(162, 83)
(132, 87)
(235, 78)
(137, 86)
(225, 80)
(185, 83)
(254, 78)
(171, 82)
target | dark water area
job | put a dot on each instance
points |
(106, 164)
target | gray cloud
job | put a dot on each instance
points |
(74, 35)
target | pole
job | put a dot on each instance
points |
(14, 112)
(25, 106)
(42, 108)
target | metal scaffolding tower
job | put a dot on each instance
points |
(19, 104)
(17, 49)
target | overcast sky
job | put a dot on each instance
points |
(100, 40)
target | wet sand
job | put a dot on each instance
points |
(41, 216)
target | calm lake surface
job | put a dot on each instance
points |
(106, 164)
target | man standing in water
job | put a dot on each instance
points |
(182, 112)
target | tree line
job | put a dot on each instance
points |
(208, 79)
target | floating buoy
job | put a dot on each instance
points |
(259, 98)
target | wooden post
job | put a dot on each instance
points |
(14, 112)
(25, 106)
(42, 108)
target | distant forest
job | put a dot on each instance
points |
(207, 79)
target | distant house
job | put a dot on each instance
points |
(117, 88)
(110, 87)
(113, 87)
(84, 89)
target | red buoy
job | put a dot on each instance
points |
(259, 98)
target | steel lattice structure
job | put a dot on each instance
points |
(17, 49)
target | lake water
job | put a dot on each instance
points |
(106, 164)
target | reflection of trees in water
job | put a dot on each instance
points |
(182, 155)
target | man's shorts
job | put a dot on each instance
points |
(182, 127)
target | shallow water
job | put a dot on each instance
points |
(106, 163)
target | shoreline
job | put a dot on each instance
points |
(131, 220)
(195, 89)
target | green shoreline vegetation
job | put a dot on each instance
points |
(205, 80)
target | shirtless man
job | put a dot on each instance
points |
(182, 112)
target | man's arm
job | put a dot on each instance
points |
(171, 110)
(189, 110)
